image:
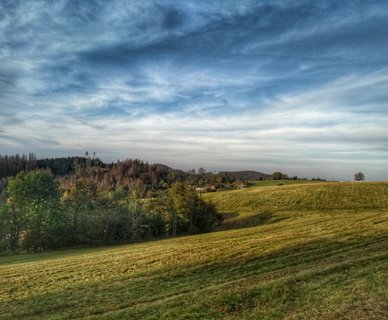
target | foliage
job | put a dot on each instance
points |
(181, 210)
(278, 176)
(79, 202)
(11, 165)
(359, 176)
(33, 216)
(131, 173)
(5, 229)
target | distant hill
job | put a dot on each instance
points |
(166, 169)
(245, 175)
(162, 167)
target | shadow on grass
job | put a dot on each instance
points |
(278, 280)
(233, 220)
(229, 215)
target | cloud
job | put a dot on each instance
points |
(292, 86)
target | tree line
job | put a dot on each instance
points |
(129, 173)
(36, 215)
(76, 201)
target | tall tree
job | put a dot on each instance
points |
(137, 210)
(34, 201)
(79, 203)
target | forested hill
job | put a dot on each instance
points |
(11, 165)
(245, 175)
(106, 176)
(128, 174)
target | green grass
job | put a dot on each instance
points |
(316, 196)
(299, 263)
(271, 183)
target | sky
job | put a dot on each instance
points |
(294, 86)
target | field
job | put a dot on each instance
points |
(303, 251)
(271, 183)
(248, 206)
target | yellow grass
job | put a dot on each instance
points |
(297, 263)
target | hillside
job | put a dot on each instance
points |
(244, 175)
(300, 262)
(304, 196)
(127, 174)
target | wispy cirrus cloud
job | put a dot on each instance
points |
(294, 86)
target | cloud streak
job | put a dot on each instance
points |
(294, 86)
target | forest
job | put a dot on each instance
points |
(80, 201)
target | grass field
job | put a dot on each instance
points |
(271, 183)
(311, 251)
(311, 196)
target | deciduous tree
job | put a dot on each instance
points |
(359, 176)
(35, 212)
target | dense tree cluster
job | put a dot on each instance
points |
(30, 212)
(35, 214)
(62, 202)
(179, 210)
(122, 174)
(13, 164)
(279, 176)
(359, 176)
(69, 165)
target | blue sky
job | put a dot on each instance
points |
(293, 86)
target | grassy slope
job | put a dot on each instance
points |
(316, 196)
(297, 264)
(271, 183)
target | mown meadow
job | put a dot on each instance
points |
(302, 251)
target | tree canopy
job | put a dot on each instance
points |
(359, 176)
(35, 214)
